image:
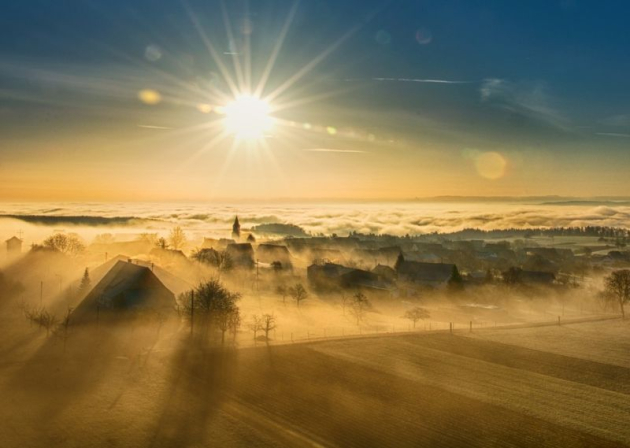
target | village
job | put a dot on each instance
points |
(379, 282)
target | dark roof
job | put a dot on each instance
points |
(12, 239)
(273, 252)
(127, 285)
(382, 269)
(240, 247)
(330, 270)
(425, 272)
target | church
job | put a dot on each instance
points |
(236, 232)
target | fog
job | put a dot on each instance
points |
(73, 370)
(341, 218)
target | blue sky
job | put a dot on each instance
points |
(544, 84)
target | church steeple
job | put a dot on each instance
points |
(236, 229)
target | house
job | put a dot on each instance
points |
(14, 246)
(269, 253)
(385, 273)
(241, 254)
(332, 275)
(428, 274)
(126, 287)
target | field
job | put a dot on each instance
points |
(548, 386)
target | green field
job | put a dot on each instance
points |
(490, 388)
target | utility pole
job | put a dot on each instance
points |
(41, 292)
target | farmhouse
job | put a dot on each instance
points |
(331, 275)
(270, 253)
(126, 287)
(241, 254)
(427, 274)
(14, 245)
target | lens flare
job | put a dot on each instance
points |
(149, 96)
(491, 165)
(247, 117)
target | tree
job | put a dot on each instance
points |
(617, 284)
(456, 282)
(224, 262)
(161, 243)
(228, 320)
(415, 314)
(298, 293)
(211, 303)
(41, 318)
(512, 276)
(84, 287)
(234, 323)
(268, 324)
(150, 238)
(282, 291)
(177, 238)
(359, 306)
(221, 260)
(69, 244)
(276, 266)
(255, 324)
(64, 328)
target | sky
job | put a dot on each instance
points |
(112, 100)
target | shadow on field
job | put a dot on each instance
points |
(198, 377)
(59, 375)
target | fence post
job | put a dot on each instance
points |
(450, 327)
(470, 327)
(291, 336)
(558, 320)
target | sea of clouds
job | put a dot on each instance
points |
(325, 218)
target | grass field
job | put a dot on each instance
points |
(524, 387)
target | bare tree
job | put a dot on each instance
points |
(177, 238)
(255, 324)
(268, 324)
(41, 318)
(282, 291)
(359, 306)
(299, 293)
(415, 314)
(617, 284)
(151, 238)
(234, 323)
(69, 244)
(224, 262)
(63, 330)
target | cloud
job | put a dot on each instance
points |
(428, 81)
(613, 134)
(617, 120)
(527, 99)
(392, 218)
(334, 150)
(150, 126)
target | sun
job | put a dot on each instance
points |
(248, 117)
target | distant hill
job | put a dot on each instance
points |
(279, 229)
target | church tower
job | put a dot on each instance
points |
(236, 229)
